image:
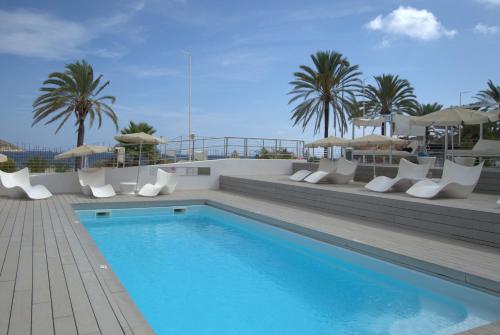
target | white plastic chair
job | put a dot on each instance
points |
(457, 182)
(325, 169)
(344, 173)
(93, 183)
(408, 174)
(465, 161)
(17, 185)
(325, 165)
(165, 184)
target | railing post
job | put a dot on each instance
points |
(225, 146)
(245, 147)
(275, 148)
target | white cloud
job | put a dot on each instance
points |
(152, 72)
(40, 34)
(489, 2)
(484, 29)
(415, 23)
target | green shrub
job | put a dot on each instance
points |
(61, 167)
(37, 164)
(8, 166)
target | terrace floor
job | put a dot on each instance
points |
(51, 281)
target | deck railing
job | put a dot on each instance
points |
(41, 159)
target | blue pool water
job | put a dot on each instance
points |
(209, 271)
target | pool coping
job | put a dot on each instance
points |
(439, 271)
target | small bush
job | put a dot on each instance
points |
(37, 164)
(8, 166)
(61, 167)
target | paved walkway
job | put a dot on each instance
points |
(51, 281)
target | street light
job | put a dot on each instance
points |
(462, 92)
(188, 54)
(459, 127)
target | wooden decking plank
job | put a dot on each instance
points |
(61, 304)
(105, 313)
(4, 211)
(41, 286)
(20, 319)
(42, 322)
(9, 268)
(7, 231)
(65, 326)
(6, 293)
(84, 315)
(20, 316)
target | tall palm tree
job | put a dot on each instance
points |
(390, 94)
(148, 150)
(74, 92)
(424, 109)
(331, 82)
(490, 97)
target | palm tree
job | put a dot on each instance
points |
(390, 94)
(424, 109)
(148, 150)
(490, 97)
(333, 82)
(74, 92)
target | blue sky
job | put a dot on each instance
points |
(244, 54)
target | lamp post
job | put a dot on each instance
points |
(459, 127)
(188, 54)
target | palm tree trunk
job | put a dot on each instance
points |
(383, 129)
(79, 142)
(327, 123)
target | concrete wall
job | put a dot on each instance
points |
(68, 182)
(489, 182)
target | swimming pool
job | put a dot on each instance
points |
(201, 270)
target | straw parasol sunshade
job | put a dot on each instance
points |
(374, 141)
(454, 116)
(327, 142)
(139, 138)
(3, 158)
(83, 150)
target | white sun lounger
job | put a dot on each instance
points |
(344, 173)
(325, 165)
(93, 183)
(457, 182)
(408, 174)
(165, 184)
(341, 172)
(18, 185)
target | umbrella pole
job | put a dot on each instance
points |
(452, 144)
(374, 171)
(138, 168)
(445, 143)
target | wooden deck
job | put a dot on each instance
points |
(51, 281)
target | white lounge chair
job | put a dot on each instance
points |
(341, 171)
(93, 183)
(344, 173)
(465, 161)
(483, 148)
(325, 169)
(457, 182)
(325, 165)
(17, 185)
(165, 184)
(408, 174)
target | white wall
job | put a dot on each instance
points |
(68, 182)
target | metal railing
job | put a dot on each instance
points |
(40, 159)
